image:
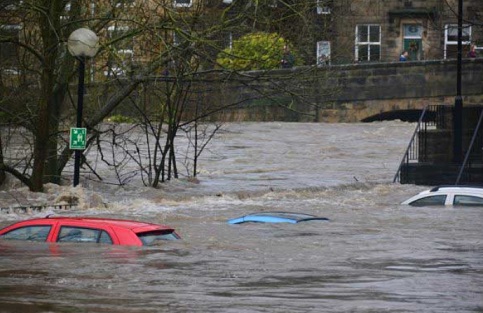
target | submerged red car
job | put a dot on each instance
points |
(89, 230)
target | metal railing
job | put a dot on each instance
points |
(474, 144)
(412, 151)
(440, 117)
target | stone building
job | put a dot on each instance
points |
(373, 30)
(324, 31)
(347, 31)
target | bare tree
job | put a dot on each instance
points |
(150, 44)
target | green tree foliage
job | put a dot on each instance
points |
(256, 51)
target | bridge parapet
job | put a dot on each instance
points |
(364, 92)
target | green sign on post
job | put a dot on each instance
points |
(78, 138)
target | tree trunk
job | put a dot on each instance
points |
(2, 172)
(46, 115)
(42, 136)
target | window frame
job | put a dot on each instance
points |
(13, 6)
(121, 28)
(126, 4)
(447, 42)
(11, 28)
(323, 53)
(150, 237)
(459, 197)
(420, 202)
(25, 228)
(69, 228)
(367, 43)
(323, 8)
(117, 69)
(183, 5)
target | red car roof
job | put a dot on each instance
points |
(135, 226)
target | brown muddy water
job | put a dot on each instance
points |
(374, 255)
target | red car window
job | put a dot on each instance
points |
(85, 235)
(152, 237)
(31, 233)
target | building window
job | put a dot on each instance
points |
(9, 47)
(122, 3)
(451, 40)
(121, 41)
(323, 7)
(178, 39)
(10, 4)
(323, 53)
(368, 43)
(182, 3)
(227, 40)
(413, 41)
(66, 13)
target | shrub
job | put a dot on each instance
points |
(256, 51)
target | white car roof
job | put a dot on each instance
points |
(443, 190)
(458, 189)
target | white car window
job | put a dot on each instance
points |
(430, 200)
(467, 200)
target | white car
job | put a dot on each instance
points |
(448, 195)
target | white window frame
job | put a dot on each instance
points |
(183, 5)
(368, 42)
(66, 12)
(273, 4)
(11, 26)
(92, 7)
(118, 70)
(323, 8)
(323, 53)
(176, 40)
(230, 41)
(455, 42)
(123, 4)
(114, 28)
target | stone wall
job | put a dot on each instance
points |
(351, 93)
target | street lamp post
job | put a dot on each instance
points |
(83, 43)
(458, 107)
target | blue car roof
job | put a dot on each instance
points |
(276, 217)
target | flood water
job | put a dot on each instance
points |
(374, 255)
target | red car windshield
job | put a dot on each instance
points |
(153, 237)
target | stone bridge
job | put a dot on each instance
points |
(352, 93)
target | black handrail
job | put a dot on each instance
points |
(405, 158)
(467, 155)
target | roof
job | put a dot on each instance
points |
(276, 217)
(129, 224)
(118, 222)
(457, 188)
